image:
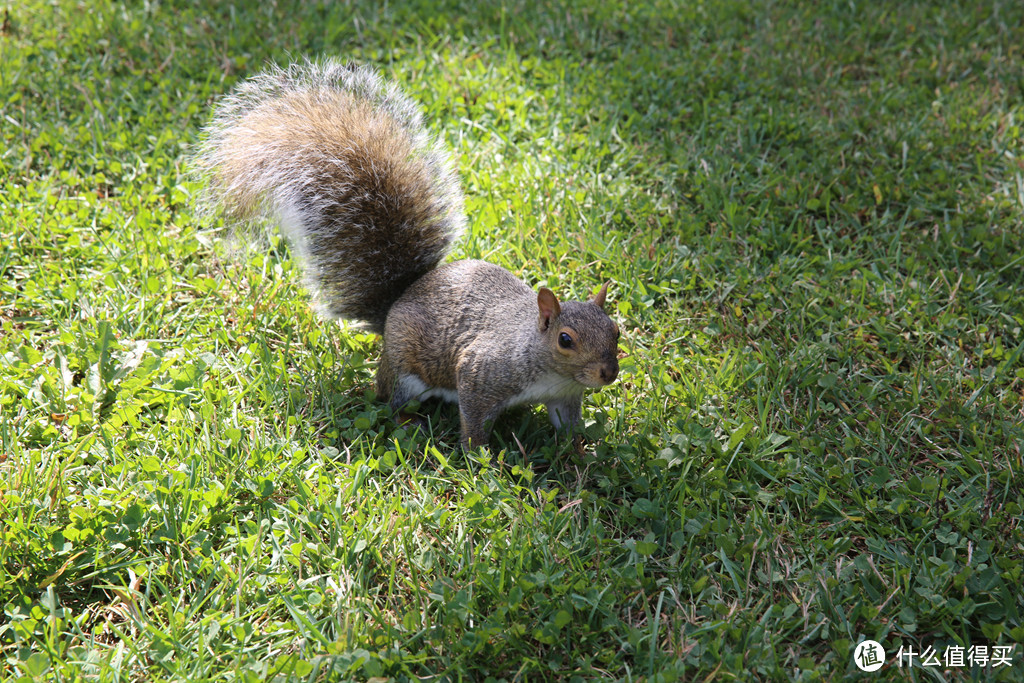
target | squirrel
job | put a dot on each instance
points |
(371, 205)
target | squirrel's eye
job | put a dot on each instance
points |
(564, 340)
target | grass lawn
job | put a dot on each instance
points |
(813, 214)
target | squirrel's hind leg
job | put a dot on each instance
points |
(395, 393)
(477, 415)
(399, 389)
(398, 396)
(385, 379)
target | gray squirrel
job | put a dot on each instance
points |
(370, 204)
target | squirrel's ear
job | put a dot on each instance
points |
(549, 308)
(599, 297)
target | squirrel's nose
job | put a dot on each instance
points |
(609, 372)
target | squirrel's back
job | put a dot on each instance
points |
(341, 159)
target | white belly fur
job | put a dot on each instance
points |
(414, 386)
(549, 387)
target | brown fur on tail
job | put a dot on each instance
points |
(341, 160)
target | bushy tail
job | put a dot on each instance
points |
(341, 160)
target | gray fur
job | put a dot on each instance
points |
(341, 161)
